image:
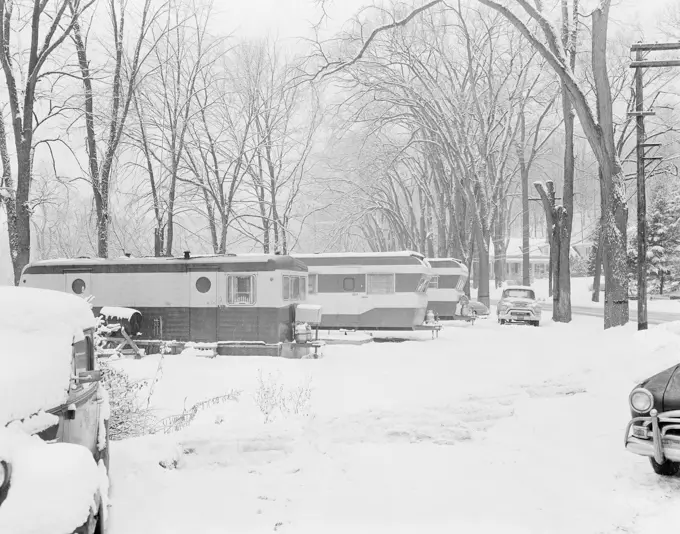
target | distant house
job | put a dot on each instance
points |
(539, 258)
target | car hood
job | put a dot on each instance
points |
(665, 388)
(517, 300)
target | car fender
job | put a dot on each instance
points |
(53, 487)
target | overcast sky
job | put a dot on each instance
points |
(293, 18)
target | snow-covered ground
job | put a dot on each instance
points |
(487, 429)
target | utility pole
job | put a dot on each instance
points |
(641, 199)
(639, 64)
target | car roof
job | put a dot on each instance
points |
(38, 328)
(27, 307)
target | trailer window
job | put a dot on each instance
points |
(380, 284)
(78, 286)
(348, 284)
(434, 282)
(313, 284)
(241, 289)
(203, 284)
(294, 287)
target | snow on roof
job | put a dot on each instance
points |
(399, 253)
(37, 329)
(18, 304)
(203, 258)
(519, 287)
(116, 312)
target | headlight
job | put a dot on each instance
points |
(641, 400)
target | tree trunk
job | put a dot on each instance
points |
(551, 244)
(8, 199)
(23, 210)
(598, 264)
(483, 270)
(562, 274)
(565, 218)
(526, 259)
(170, 235)
(548, 202)
(616, 310)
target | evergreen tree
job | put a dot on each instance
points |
(592, 256)
(663, 233)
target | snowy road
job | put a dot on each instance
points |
(655, 317)
(487, 429)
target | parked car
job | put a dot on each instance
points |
(54, 453)
(478, 309)
(518, 304)
(654, 428)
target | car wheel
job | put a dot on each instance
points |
(501, 321)
(536, 323)
(94, 523)
(100, 527)
(667, 468)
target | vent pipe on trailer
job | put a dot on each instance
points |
(187, 255)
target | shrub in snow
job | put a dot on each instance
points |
(175, 423)
(129, 417)
(272, 398)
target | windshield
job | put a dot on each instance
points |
(519, 293)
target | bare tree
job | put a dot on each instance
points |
(287, 119)
(50, 25)
(165, 107)
(597, 122)
(221, 152)
(105, 130)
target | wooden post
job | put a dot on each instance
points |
(641, 200)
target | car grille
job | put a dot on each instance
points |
(671, 428)
(520, 305)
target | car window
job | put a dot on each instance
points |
(83, 355)
(518, 293)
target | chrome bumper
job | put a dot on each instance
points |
(507, 315)
(658, 445)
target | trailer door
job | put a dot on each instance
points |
(203, 305)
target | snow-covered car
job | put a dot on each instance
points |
(518, 304)
(54, 412)
(654, 428)
(478, 309)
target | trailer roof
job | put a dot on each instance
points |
(406, 257)
(446, 263)
(229, 263)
